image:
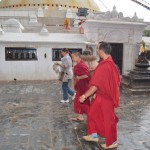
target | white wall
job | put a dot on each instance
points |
(127, 33)
(40, 69)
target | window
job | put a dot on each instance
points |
(20, 53)
(56, 52)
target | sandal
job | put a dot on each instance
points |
(77, 119)
(114, 145)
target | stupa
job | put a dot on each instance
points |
(138, 79)
(52, 4)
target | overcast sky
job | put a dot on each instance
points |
(127, 7)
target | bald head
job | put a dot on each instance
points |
(76, 56)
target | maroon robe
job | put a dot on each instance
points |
(101, 117)
(81, 86)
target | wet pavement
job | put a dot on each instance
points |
(32, 118)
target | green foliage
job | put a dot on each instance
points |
(147, 33)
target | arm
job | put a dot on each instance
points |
(91, 91)
(61, 65)
(82, 77)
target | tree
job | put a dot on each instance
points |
(147, 33)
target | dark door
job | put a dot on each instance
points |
(117, 54)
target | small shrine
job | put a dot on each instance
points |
(138, 79)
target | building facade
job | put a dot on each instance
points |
(31, 37)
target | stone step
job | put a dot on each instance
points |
(140, 91)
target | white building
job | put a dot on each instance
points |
(32, 33)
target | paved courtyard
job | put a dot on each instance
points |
(32, 118)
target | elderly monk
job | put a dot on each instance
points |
(102, 120)
(82, 78)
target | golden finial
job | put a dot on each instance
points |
(143, 47)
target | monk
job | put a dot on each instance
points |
(102, 120)
(82, 77)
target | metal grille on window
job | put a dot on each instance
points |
(56, 53)
(20, 53)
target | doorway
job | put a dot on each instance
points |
(117, 54)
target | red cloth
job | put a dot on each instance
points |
(81, 86)
(101, 117)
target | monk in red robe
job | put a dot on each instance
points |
(102, 120)
(82, 77)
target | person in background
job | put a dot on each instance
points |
(66, 65)
(82, 77)
(90, 60)
(105, 82)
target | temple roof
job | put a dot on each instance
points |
(73, 4)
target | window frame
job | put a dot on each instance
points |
(59, 50)
(20, 54)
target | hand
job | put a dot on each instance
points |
(82, 99)
(77, 77)
(56, 63)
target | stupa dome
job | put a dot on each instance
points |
(72, 4)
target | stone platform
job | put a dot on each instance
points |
(32, 118)
(137, 81)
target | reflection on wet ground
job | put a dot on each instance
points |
(32, 118)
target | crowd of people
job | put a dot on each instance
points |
(96, 95)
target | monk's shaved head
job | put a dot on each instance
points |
(106, 47)
(77, 54)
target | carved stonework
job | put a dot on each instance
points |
(120, 15)
(88, 37)
(114, 15)
(40, 12)
(12, 25)
(69, 13)
(130, 36)
(115, 36)
(113, 27)
(33, 18)
(134, 18)
(91, 15)
(100, 36)
(1, 30)
(44, 30)
(137, 38)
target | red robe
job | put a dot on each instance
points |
(101, 117)
(81, 86)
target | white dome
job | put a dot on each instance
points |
(14, 23)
